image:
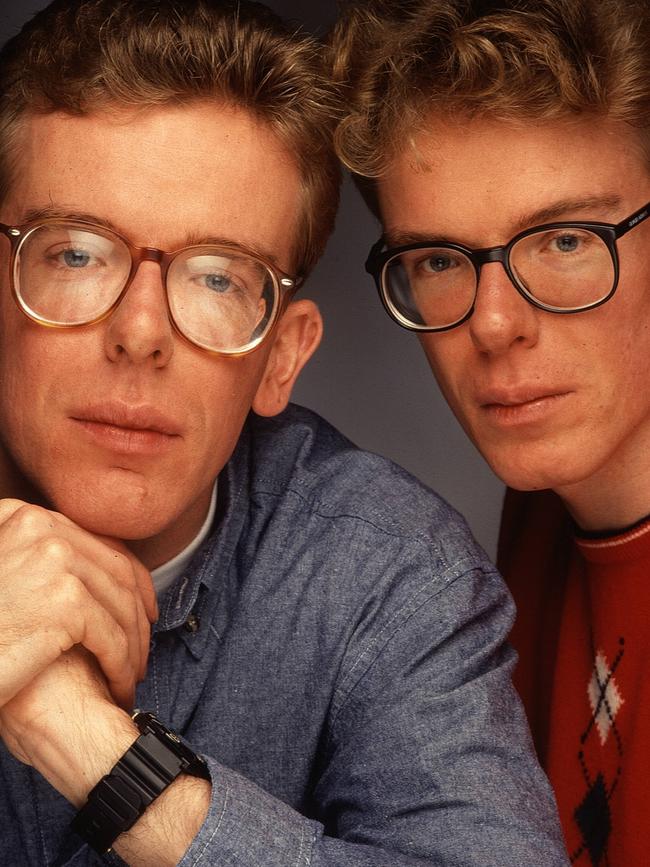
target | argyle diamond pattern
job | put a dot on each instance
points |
(604, 696)
(593, 814)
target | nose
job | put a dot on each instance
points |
(502, 318)
(139, 330)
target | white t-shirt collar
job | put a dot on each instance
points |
(165, 575)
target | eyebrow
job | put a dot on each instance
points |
(554, 212)
(49, 212)
(193, 239)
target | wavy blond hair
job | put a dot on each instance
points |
(395, 61)
(78, 56)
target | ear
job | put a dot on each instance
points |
(295, 339)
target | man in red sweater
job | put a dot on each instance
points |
(505, 148)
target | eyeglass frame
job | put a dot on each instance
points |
(609, 233)
(284, 284)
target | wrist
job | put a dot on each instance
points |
(91, 745)
(143, 772)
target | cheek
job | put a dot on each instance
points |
(16, 360)
(32, 353)
(27, 392)
(221, 391)
(446, 359)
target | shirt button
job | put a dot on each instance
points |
(192, 624)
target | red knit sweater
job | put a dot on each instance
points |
(582, 634)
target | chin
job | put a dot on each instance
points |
(124, 524)
(531, 472)
(112, 509)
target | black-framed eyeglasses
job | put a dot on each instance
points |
(562, 267)
(69, 273)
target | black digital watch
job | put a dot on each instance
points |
(145, 770)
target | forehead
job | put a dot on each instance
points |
(163, 174)
(481, 181)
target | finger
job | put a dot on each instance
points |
(147, 590)
(116, 579)
(78, 619)
(123, 602)
(35, 521)
(126, 566)
(123, 594)
(8, 506)
(127, 569)
(141, 577)
(146, 597)
(58, 560)
(103, 637)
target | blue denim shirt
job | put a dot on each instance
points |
(337, 653)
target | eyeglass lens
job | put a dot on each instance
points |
(221, 299)
(566, 269)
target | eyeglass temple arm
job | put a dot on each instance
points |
(636, 218)
(373, 254)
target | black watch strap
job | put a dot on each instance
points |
(145, 770)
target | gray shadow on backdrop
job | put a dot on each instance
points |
(369, 377)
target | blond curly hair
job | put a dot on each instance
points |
(78, 56)
(396, 61)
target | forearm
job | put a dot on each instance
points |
(426, 761)
(168, 826)
(73, 751)
(239, 823)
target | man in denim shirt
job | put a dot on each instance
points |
(329, 640)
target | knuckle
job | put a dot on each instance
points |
(9, 506)
(67, 591)
(31, 520)
(54, 549)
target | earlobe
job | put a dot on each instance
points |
(295, 339)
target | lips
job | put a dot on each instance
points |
(127, 417)
(523, 408)
(141, 432)
(513, 397)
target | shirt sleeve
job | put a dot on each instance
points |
(426, 760)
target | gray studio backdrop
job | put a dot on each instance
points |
(369, 377)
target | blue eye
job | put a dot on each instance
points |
(75, 258)
(218, 282)
(439, 263)
(567, 243)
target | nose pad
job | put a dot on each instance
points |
(139, 329)
(502, 316)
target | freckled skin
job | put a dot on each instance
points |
(593, 443)
(236, 181)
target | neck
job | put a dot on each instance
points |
(609, 500)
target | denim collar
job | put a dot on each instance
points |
(191, 603)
